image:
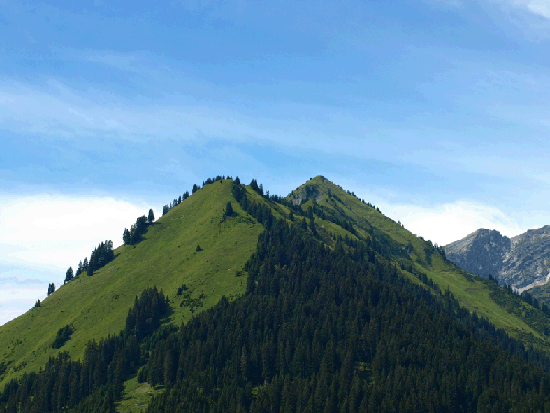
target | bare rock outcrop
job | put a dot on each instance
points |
(522, 261)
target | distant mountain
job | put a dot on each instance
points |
(522, 261)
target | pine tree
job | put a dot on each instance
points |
(229, 210)
(69, 275)
(126, 237)
(254, 185)
(151, 216)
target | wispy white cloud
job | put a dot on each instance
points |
(16, 299)
(42, 235)
(446, 3)
(449, 222)
(55, 232)
(57, 110)
(538, 7)
(14, 309)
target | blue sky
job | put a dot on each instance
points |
(436, 111)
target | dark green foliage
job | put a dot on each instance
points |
(229, 210)
(195, 188)
(151, 216)
(210, 181)
(192, 303)
(126, 237)
(63, 335)
(69, 274)
(144, 317)
(134, 235)
(51, 288)
(79, 269)
(94, 383)
(311, 220)
(82, 267)
(37, 304)
(237, 180)
(339, 331)
(182, 289)
(198, 249)
(101, 255)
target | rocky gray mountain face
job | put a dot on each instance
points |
(522, 261)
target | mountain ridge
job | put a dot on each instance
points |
(327, 214)
(343, 310)
(522, 261)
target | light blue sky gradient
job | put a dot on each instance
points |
(438, 111)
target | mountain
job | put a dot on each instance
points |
(522, 261)
(97, 306)
(311, 302)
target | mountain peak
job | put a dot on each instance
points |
(520, 261)
(315, 189)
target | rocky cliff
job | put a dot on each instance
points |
(522, 261)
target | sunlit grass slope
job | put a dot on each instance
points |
(519, 319)
(167, 257)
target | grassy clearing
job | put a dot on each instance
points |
(137, 396)
(167, 257)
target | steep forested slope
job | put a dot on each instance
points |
(333, 331)
(344, 310)
(413, 254)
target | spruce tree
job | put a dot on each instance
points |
(229, 210)
(69, 275)
(126, 237)
(151, 216)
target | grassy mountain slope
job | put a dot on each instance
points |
(519, 319)
(167, 257)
